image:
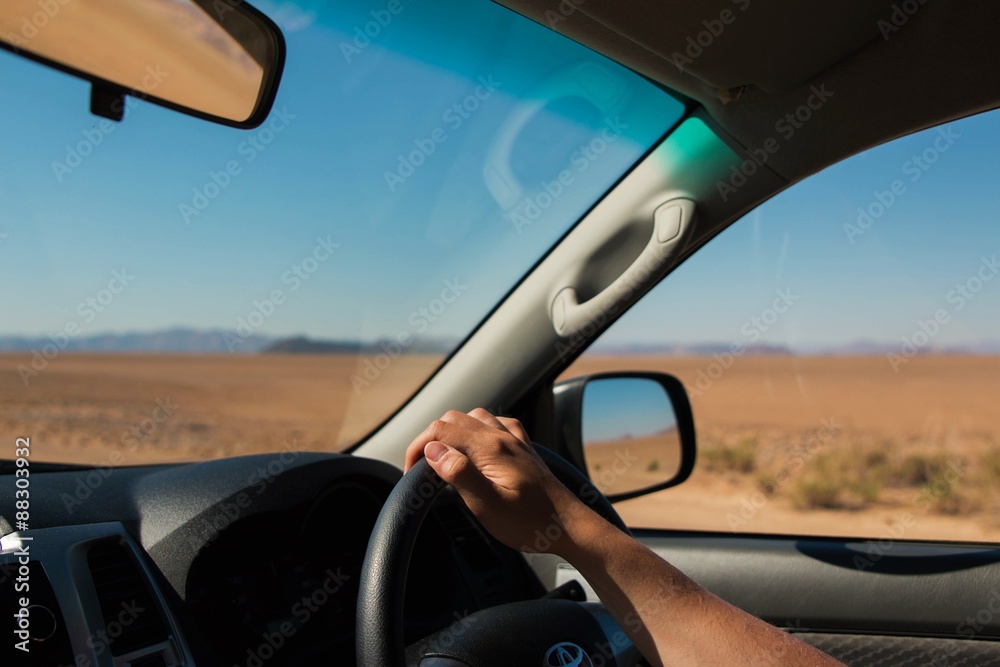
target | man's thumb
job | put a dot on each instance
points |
(453, 467)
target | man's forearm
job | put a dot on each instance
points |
(671, 619)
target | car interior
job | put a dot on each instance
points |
(311, 557)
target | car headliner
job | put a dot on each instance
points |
(893, 66)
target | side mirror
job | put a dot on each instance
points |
(220, 60)
(632, 433)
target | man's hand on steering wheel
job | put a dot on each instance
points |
(490, 461)
(671, 619)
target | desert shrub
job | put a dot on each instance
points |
(919, 469)
(767, 482)
(840, 479)
(740, 457)
(878, 457)
(867, 488)
(948, 497)
(989, 464)
(816, 492)
(854, 476)
(653, 465)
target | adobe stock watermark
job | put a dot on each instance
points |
(94, 136)
(900, 14)
(941, 486)
(562, 12)
(785, 128)
(420, 321)
(364, 33)
(913, 169)
(90, 481)
(751, 505)
(32, 24)
(100, 642)
(545, 538)
(987, 614)
(635, 281)
(530, 208)
(247, 151)
(88, 310)
(453, 118)
(607, 478)
(300, 613)
(291, 16)
(697, 44)
(264, 309)
(877, 548)
(445, 639)
(752, 330)
(959, 297)
(426, 492)
(969, 628)
(224, 513)
(606, 653)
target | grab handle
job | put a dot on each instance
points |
(671, 221)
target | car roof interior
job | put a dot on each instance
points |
(893, 66)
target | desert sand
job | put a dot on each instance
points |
(807, 409)
(82, 408)
(769, 430)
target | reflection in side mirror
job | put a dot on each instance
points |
(630, 437)
(215, 60)
(632, 433)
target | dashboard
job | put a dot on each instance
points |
(241, 561)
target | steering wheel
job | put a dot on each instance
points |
(536, 632)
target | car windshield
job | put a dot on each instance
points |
(180, 290)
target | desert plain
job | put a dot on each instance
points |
(835, 446)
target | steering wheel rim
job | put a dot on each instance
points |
(379, 633)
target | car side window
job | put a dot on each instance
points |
(841, 349)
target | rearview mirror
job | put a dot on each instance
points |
(632, 433)
(220, 60)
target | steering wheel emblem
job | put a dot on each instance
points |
(567, 654)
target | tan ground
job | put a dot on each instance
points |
(947, 405)
(631, 464)
(82, 408)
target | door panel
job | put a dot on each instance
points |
(895, 604)
(832, 586)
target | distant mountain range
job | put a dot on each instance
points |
(170, 340)
(303, 345)
(185, 340)
(689, 350)
(862, 348)
(865, 348)
(214, 342)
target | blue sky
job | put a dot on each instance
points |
(641, 405)
(324, 177)
(875, 285)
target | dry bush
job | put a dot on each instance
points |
(740, 457)
(990, 465)
(848, 478)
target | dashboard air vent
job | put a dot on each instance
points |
(132, 618)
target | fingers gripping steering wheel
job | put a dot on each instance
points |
(540, 626)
